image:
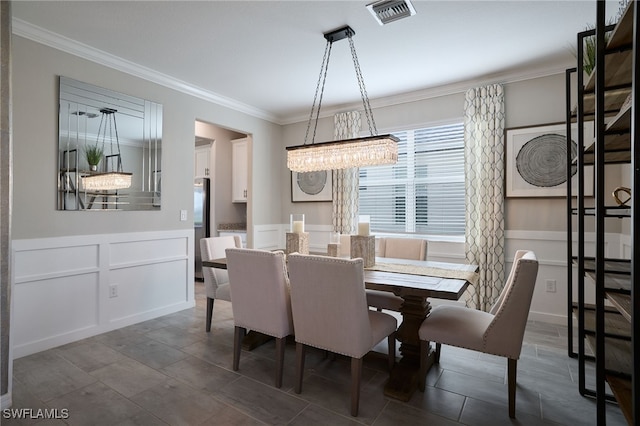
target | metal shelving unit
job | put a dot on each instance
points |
(609, 97)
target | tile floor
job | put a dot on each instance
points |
(169, 371)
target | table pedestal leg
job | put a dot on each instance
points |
(403, 380)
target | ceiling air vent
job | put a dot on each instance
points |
(386, 11)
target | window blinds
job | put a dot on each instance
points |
(424, 192)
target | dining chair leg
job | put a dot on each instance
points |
(437, 356)
(356, 376)
(237, 346)
(511, 380)
(391, 343)
(209, 313)
(424, 351)
(280, 345)
(300, 353)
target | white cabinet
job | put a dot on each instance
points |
(202, 166)
(239, 170)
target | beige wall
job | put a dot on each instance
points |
(527, 103)
(35, 110)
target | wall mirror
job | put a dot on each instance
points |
(109, 149)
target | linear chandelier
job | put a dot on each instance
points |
(342, 154)
(108, 180)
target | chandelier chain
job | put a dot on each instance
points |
(363, 91)
(115, 128)
(322, 78)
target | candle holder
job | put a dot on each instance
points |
(297, 239)
(297, 243)
(296, 223)
(333, 248)
(364, 246)
(364, 228)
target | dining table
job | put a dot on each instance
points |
(415, 282)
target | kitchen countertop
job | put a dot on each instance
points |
(232, 227)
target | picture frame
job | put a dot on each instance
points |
(535, 161)
(312, 186)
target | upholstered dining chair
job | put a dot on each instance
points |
(403, 248)
(498, 332)
(330, 312)
(261, 301)
(398, 248)
(216, 281)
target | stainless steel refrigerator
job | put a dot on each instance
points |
(201, 215)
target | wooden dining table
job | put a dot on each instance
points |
(415, 282)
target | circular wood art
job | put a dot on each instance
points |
(312, 183)
(542, 161)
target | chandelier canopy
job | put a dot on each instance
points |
(342, 154)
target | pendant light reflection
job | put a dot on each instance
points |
(109, 180)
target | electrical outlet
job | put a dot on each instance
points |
(113, 290)
(183, 215)
(551, 286)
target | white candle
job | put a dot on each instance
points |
(298, 227)
(363, 229)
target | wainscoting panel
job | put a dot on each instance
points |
(140, 252)
(51, 308)
(43, 262)
(143, 289)
(70, 288)
(268, 237)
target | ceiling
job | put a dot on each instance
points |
(265, 56)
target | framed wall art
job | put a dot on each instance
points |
(312, 186)
(536, 161)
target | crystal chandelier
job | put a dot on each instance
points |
(342, 154)
(114, 179)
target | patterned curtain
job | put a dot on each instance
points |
(484, 171)
(346, 181)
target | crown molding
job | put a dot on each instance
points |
(73, 47)
(65, 44)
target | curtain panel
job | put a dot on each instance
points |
(484, 189)
(346, 181)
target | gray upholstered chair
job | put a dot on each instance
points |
(330, 312)
(499, 331)
(398, 248)
(261, 301)
(216, 281)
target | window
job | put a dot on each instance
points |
(424, 192)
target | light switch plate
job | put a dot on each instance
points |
(183, 215)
